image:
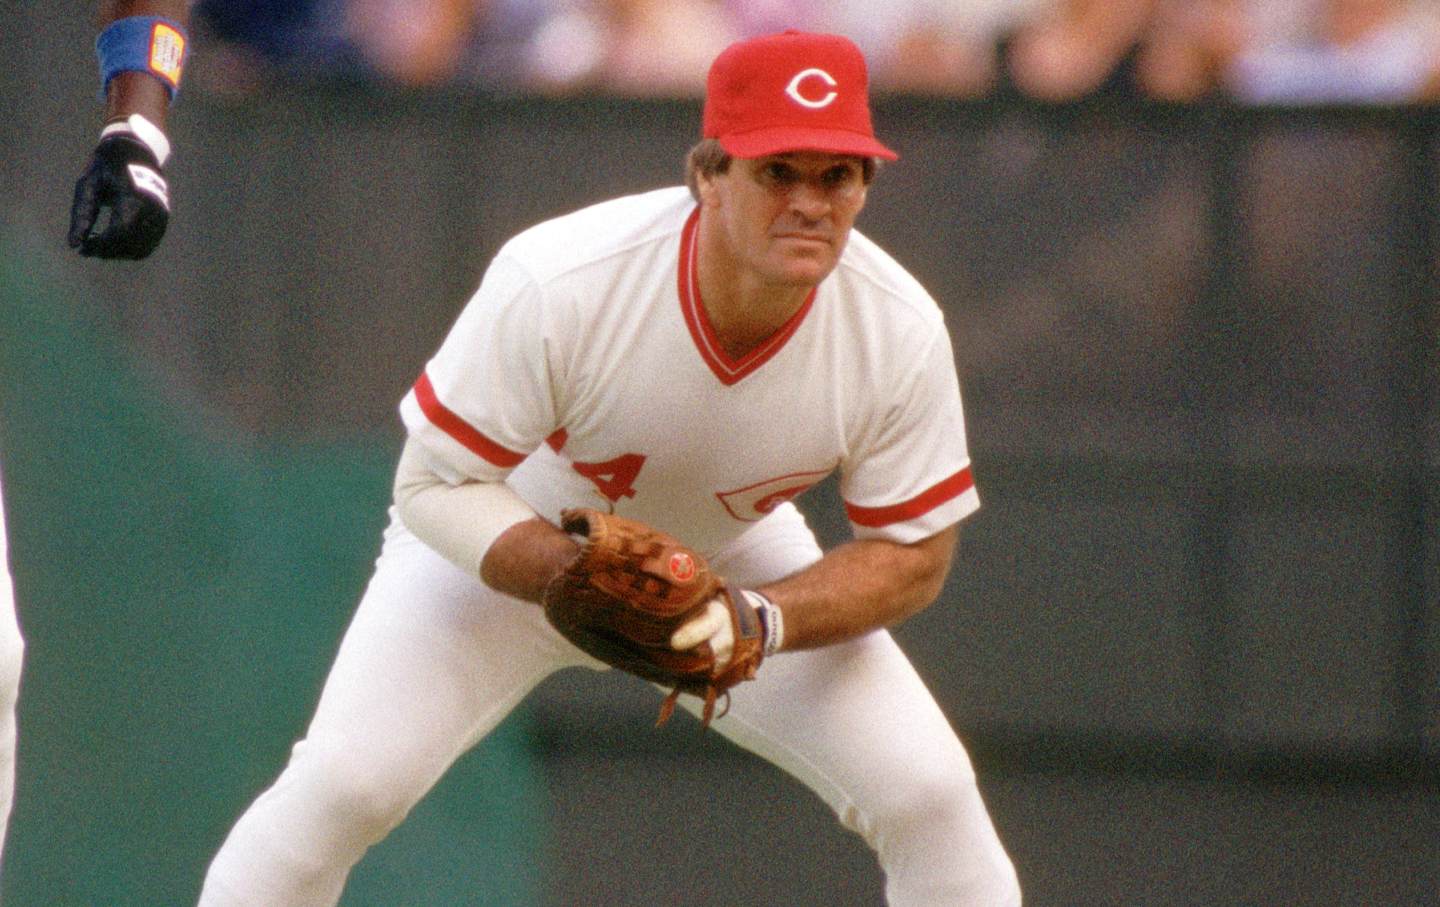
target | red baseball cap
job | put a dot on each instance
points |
(793, 91)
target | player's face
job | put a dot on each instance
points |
(785, 218)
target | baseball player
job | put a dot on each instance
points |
(690, 359)
(122, 203)
(120, 211)
(12, 653)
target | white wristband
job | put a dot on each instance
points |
(770, 618)
(147, 132)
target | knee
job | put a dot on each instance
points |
(299, 839)
(347, 796)
(930, 799)
(937, 825)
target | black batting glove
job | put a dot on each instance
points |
(122, 204)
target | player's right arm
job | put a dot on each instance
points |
(121, 205)
(483, 527)
(482, 404)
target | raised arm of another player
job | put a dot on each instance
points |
(122, 204)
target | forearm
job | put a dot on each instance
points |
(138, 92)
(861, 586)
(177, 11)
(482, 527)
(524, 559)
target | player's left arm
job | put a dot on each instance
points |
(861, 586)
(915, 452)
(121, 205)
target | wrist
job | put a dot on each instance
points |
(136, 92)
(146, 132)
(148, 44)
(771, 620)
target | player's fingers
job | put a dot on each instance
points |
(107, 236)
(131, 229)
(84, 210)
(722, 643)
(700, 629)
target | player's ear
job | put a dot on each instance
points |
(707, 188)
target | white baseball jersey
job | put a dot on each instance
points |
(585, 372)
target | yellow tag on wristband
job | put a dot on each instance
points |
(167, 52)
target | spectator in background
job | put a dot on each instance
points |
(1066, 50)
(408, 42)
(246, 40)
(1260, 51)
(1188, 47)
(630, 47)
(940, 47)
(1321, 51)
(934, 47)
(413, 42)
(1363, 51)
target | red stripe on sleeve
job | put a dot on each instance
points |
(921, 504)
(454, 426)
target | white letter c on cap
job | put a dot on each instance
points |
(793, 89)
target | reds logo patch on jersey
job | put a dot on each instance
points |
(755, 502)
(587, 359)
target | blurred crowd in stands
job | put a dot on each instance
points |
(1253, 51)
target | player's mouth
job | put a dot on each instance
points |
(807, 238)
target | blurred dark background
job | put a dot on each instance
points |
(1192, 639)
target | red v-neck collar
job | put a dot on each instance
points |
(728, 370)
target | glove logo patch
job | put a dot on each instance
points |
(682, 567)
(147, 180)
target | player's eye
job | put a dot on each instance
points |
(839, 175)
(780, 173)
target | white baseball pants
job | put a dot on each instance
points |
(12, 652)
(433, 660)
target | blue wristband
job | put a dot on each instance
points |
(142, 44)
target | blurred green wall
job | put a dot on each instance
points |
(182, 589)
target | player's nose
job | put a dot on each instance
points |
(809, 201)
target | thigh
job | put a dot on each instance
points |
(11, 646)
(432, 661)
(850, 720)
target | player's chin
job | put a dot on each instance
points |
(805, 270)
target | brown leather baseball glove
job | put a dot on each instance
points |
(628, 591)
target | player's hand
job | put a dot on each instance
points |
(122, 203)
(713, 626)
